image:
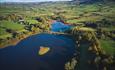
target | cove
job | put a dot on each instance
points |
(24, 56)
(58, 26)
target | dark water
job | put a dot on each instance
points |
(24, 56)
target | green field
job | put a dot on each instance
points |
(93, 27)
(108, 46)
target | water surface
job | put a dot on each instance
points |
(24, 56)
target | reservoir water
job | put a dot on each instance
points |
(59, 27)
(24, 55)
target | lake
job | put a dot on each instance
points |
(24, 55)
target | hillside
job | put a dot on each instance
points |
(89, 23)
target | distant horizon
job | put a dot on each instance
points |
(24, 1)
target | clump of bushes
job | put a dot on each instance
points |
(98, 59)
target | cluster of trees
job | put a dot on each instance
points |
(105, 34)
(70, 65)
(58, 18)
(16, 36)
(98, 24)
(29, 28)
(98, 59)
(11, 17)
